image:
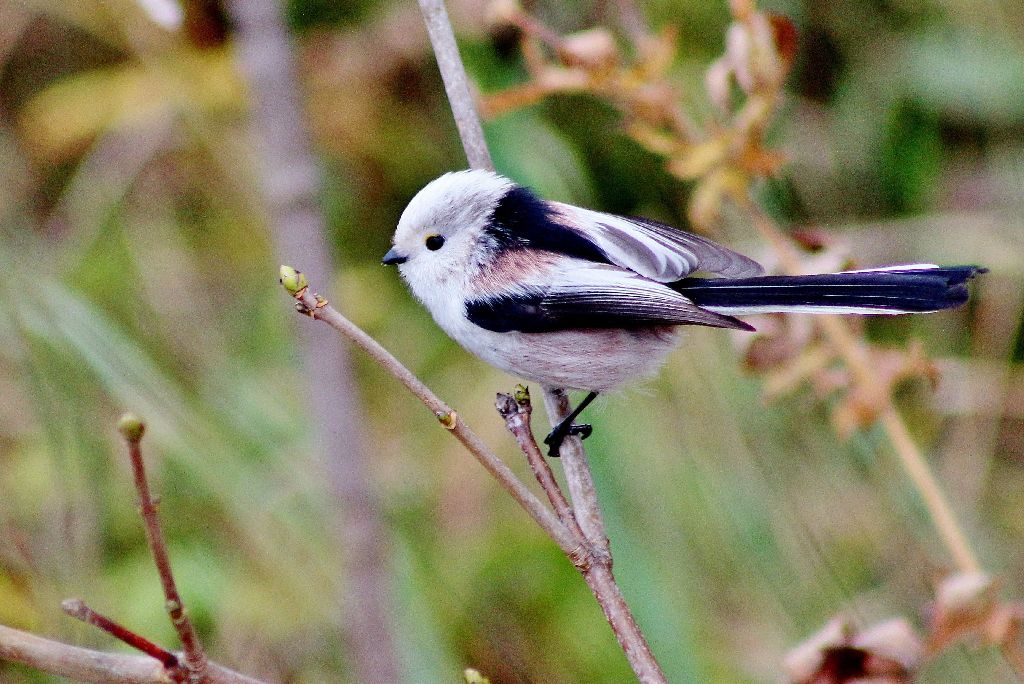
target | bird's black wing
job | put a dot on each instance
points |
(608, 298)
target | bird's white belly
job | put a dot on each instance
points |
(596, 359)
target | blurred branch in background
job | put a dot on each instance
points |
(292, 183)
(85, 665)
(132, 428)
(160, 665)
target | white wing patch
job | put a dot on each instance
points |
(808, 309)
(903, 267)
(654, 250)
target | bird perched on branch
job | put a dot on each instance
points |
(581, 299)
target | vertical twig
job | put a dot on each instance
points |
(578, 476)
(292, 181)
(598, 573)
(159, 666)
(517, 411)
(132, 428)
(593, 560)
(456, 84)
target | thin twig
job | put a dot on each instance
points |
(516, 411)
(593, 561)
(77, 609)
(158, 665)
(456, 84)
(617, 613)
(132, 429)
(319, 309)
(86, 665)
(578, 476)
(577, 470)
(596, 567)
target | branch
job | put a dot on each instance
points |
(595, 562)
(132, 428)
(456, 84)
(158, 665)
(516, 411)
(86, 665)
(852, 351)
(578, 476)
(577, 470)
(318, 308)
(77, 609)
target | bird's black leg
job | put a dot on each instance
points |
(565, 427)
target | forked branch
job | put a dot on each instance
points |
(565, 528)
(158, 665)
(132, 428)
(86, 665)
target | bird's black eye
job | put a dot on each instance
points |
(435, 242)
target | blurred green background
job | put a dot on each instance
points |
(139, 274)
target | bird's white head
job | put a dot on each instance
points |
(438, 240)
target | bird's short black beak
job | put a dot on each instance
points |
(393, 258)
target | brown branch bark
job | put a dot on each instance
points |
(159, 664)
(578, 477)
(77, 609)
(86, 665)
(456, 84)
(292, 181)
(594, 562)
(195, 662)
(319, 309)
(517, 411)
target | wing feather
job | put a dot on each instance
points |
(654, 250)
(591, 297)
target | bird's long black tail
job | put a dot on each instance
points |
(895, 290)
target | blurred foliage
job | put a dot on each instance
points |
(139, 276)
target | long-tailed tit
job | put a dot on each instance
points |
(580, 299)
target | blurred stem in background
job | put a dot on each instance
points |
(291, 184)
(725, 162)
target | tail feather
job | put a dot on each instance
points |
(895, 290)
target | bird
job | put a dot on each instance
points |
(585, 300)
